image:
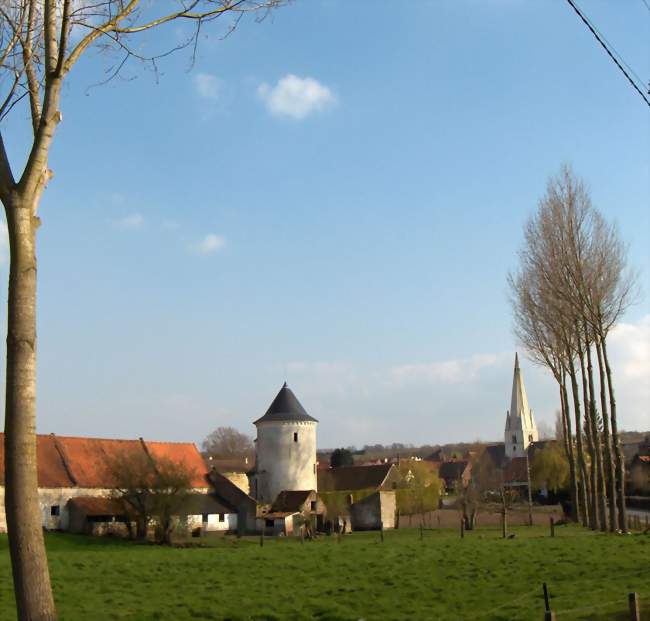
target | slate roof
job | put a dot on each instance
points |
(64, 461)
(198, 504)
(350, 478)
(285, 407)
(95, 506)
(226, 491)
(290, 501)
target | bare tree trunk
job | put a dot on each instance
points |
(601, 492)
(618, 453)
(31, 576)
(610, 476)
(582, 487)
(568, 447)
(589, 432)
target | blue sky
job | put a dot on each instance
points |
(333, 196)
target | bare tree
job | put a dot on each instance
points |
(572, 286)
(151, 492)
(40, 43)
(225, 442)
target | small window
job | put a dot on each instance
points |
(222, 517)
(313, 505)
(204, 518)
(514, 439)
(295, 436)
(314, 468)
(55, 510)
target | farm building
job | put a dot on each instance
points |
(374, 512)
(282, 515)
(226, 492)
(71, 467)
(235, 469)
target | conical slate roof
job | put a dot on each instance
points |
(285, 407)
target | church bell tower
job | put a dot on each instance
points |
(520, 430)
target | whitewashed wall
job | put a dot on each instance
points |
(59, 496)
(213, 525)
(282, 463)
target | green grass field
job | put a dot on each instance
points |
(442, 577)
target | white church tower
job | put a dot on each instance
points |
(285, 449)
(520, 425)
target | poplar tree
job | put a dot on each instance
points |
(572, 285)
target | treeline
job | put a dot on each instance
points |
(571, 287)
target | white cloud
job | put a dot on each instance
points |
(132, 221)
(446, 372)
(207, 85)
(210, 244)
(629, 353)
(296, 97)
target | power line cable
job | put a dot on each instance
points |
(618, 64)
(617, 53)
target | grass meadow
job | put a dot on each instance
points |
(480, 577)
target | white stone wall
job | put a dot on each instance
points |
(518, 437)
(49, 497)
(284, 461)
(213, 524)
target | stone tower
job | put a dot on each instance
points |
(520, 426)
(285, 449)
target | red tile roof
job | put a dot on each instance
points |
(65, 461)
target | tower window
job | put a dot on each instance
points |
(514, 439)
(295, 436)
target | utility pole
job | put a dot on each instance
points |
(530, 492)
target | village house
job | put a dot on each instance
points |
(454, 473)
(289, 509)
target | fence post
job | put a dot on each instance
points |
(552, 526)
(504, 524)
(633, 600)
(462, 529)
(381, 531)
(262, 537)
(421, 532)
(549, 615)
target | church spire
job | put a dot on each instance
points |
(520, 427)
